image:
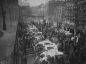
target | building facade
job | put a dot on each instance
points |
(82, 13)
(76, 12)
(56, 10)
(70, 10)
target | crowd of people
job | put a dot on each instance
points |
(71, 41)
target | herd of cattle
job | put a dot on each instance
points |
(61, 48)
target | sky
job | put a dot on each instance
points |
(36, 2)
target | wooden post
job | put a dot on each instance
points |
(3, 14)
